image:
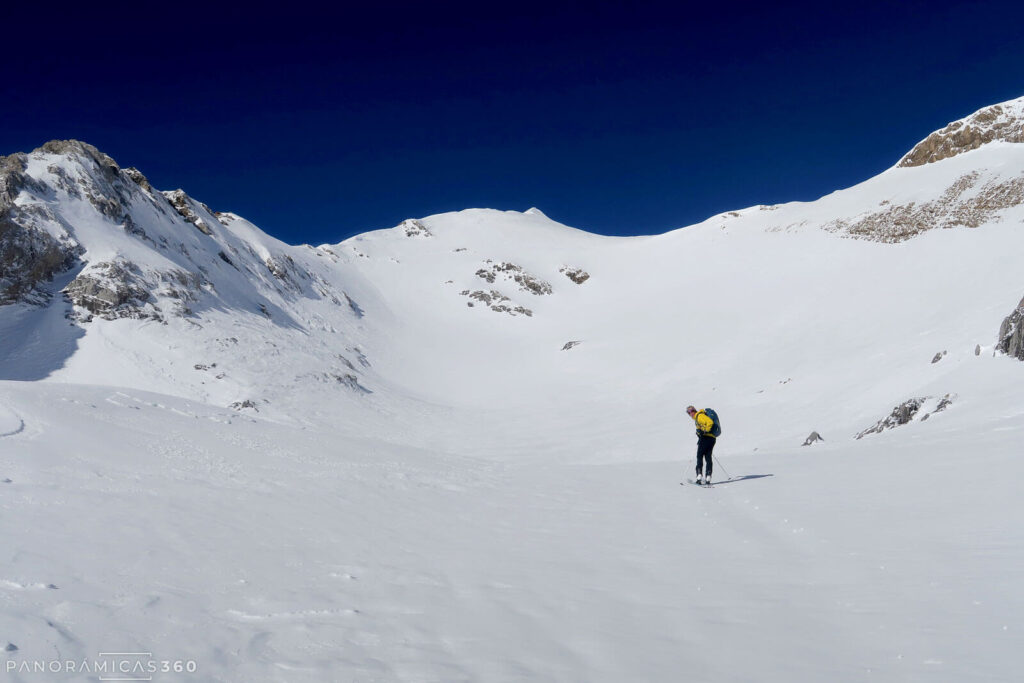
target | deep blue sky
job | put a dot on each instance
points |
(619, 118)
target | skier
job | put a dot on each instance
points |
(705, 443)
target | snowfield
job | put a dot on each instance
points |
(268, 552)
(452, 450)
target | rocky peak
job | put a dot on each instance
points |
(127, 250)
(1000, 122)
(39, 239)
(82, 151)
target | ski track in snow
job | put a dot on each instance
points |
(10, 423)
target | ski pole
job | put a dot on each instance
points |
(719, 463)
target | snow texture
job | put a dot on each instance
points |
(298, 463)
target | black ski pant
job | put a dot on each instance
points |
(705, 444)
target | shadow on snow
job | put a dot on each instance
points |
(732, 480)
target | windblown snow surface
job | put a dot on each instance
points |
(478, 503)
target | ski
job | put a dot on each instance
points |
(691, 481)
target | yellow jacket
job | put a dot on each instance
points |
(704, 423)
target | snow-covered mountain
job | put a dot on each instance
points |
(478, 386)
(116, 283)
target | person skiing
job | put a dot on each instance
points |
(705, 443)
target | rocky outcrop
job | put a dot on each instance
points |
(813, 438)
(908, 411)
(29, 255)
(120, 289)
(963, 204)
(110, 290)
(355, 307)
(496, 301)
(178, 289)
(28, 258)
(577, 275)
(349, 380)
(182, 204)
(287, 273)
(1011, 333)
(900, 415)
(944, 402)
(136, 176)
(510, 271)
(415, 228)
(77, 148)
(13, 178)
(1001, 122)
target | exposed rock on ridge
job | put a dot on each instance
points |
(415, 228)
(145, 258)
(181, 203)
(999, 122)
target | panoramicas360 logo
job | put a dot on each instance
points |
(106, 666)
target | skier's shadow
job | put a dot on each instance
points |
(743, 478)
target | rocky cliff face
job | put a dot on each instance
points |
(84, 241)
(1000, 122)
(140, 253)
(29, 254)
(38, 240)
(1011, 333)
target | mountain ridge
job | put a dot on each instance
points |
(265, 462)
(368, 321)
(1003, 122)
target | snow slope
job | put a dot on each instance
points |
(267, 552)
(450, 450)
